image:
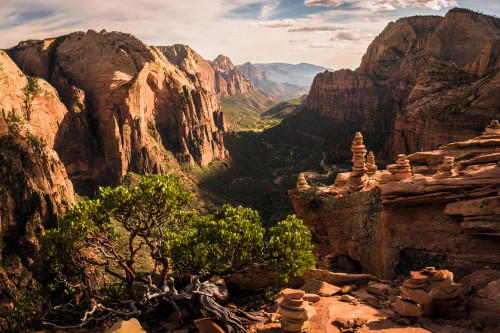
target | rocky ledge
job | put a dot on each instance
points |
(439, 208)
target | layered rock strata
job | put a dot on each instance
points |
(127, 104)
(415, 215)
(34, 186)
(228, 80)
(423, 82)
(219, 77)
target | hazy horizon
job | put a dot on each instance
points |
(328, 33)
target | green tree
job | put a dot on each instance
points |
(230, 239)
(100, 243)
(150, 213)
(289, 248)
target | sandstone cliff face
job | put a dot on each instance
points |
(412, 87)
(434, 217)
(198, 69)
(229, 81)
(34, 186)
(127, 102)
(219, 77)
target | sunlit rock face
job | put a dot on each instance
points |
(34, 187)
(424, 81)
(127, 104)
(444, 212)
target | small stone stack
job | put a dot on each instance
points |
(370, 164)
(447, 167)
(443, 300)
(493, 128)
(402, 169)
(358, 178)
(302, 182)
(447, 295)
(414, 301)
(295, 311)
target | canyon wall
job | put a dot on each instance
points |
(424, 81)
(34, 186)
(127, 105)
(442, 215)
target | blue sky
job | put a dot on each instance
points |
(332, 33)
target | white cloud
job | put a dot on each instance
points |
(393, 4)
(330, 3)
(349, 35)
(385, 4)
(318, 28)
(268, 9)
(275, 24)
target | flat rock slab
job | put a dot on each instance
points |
(126, 326)
(320, 288)
(378, 289)
(337, 279)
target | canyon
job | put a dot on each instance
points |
(420, 84)
(126, 102)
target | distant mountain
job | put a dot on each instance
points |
(219, 77)
(301, 75)
(262, 81)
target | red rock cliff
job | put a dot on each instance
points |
(127, 104)
(412, 88)
(34, 186)
(229, 81)
(444, 214)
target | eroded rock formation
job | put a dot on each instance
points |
(228, 80)
(34, 186)
(438, 208)
(424, 81)
(127, 104)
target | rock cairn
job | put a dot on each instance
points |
(493, 128)
(358, 178)
(447, 167)
(430, 292)
(402, 169)
(302, 182)
(295, 311)
(370, 164)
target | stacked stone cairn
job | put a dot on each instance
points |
(429, 293)
(370, 164)
(302, 182)
(295, 311)
(358, 177)
(492, 129)
(447, 167)
(401, 170)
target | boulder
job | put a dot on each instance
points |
(491, 291)
(481, 278)
(320, 288)
(378, 289)
(207, 325)
(126, 326)
(337, 279)
(407, 309)
(484, 311)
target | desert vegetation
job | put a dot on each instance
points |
(129, 248)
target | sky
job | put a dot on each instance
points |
(330, 33)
